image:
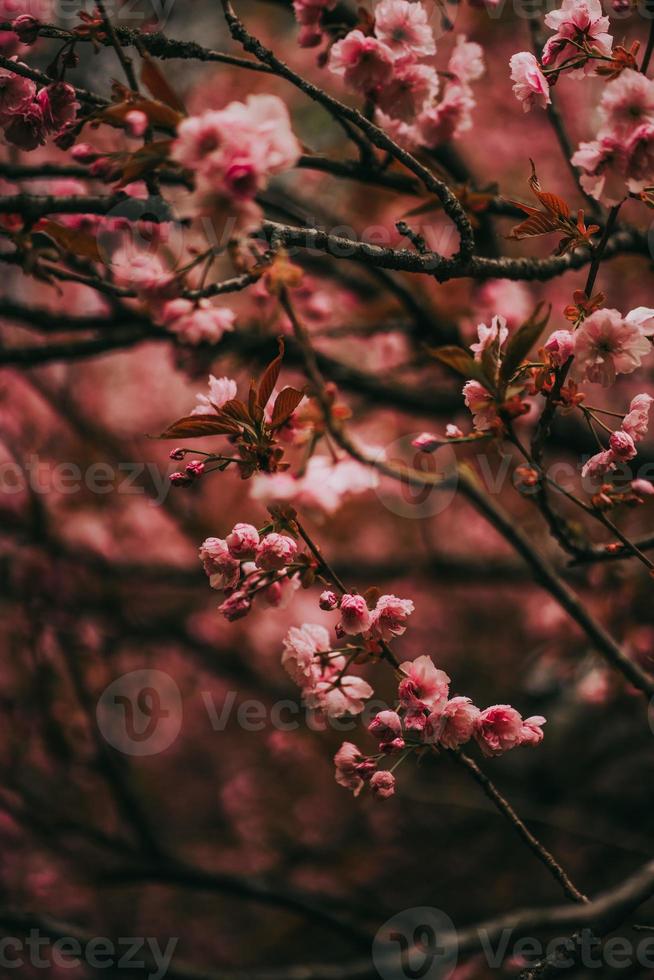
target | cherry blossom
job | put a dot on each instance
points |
(365, 63)
(581, 22)
(355, 615)
(389, 617)
(221, 390)
(402, 25)
(530, 85)
(607, 345)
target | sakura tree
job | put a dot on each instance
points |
(418, 480)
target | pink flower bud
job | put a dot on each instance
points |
(136, 123)
(84, 153)
(242, 541)
(275, 551)
(27, 28)
(382, 784)
(180, 479)
(426, 442)
(328, 601)
(355, 615)
(643, 487)
(195, 468)
(177, 453)
(560, 346)
(236, 606)
(622, 445)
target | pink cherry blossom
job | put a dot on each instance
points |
(604, 161)
(643, 487)
(345, 696)
(365, 63)
(382, 784)
(481, 403)
(407, 92)
(328, 600)
(426, 442)
(627, 102)
(235, 606)
(607, 345)
(221, 390)
(58, 105)
(497, 332)
(403, 26)
(387, 727)
(467, 60)
(447, 119)
(302, 644)
(622, 446)
(232, 151)
(530, 85)
(16, 94)
(532, 730)
(499, 728)
(581, 21)
(643, 318)
(347, 762)
(426, 682)
(598, 465)
(196, 323)
(636, 421)
(220, 566)
(560, 346)
(389, 617)
(26, 128)
(275, 551)
(640, 158)
(459, 719)
(242, 541)
(355, 615)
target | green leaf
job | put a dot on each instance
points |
(459, 360)
(521, 342)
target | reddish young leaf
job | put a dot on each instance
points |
(193, 426)
(537, 224)
(157, 84)
(555, 204)
(72, 240)
(270, 376)
(285, 404)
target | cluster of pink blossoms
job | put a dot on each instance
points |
(319, 670)
(28, 116)
(581, 34)
(385, 65)
(621, 159)
(193, 321)
(248, 563)
(426, 715)
(622, 443)
(232, 152)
